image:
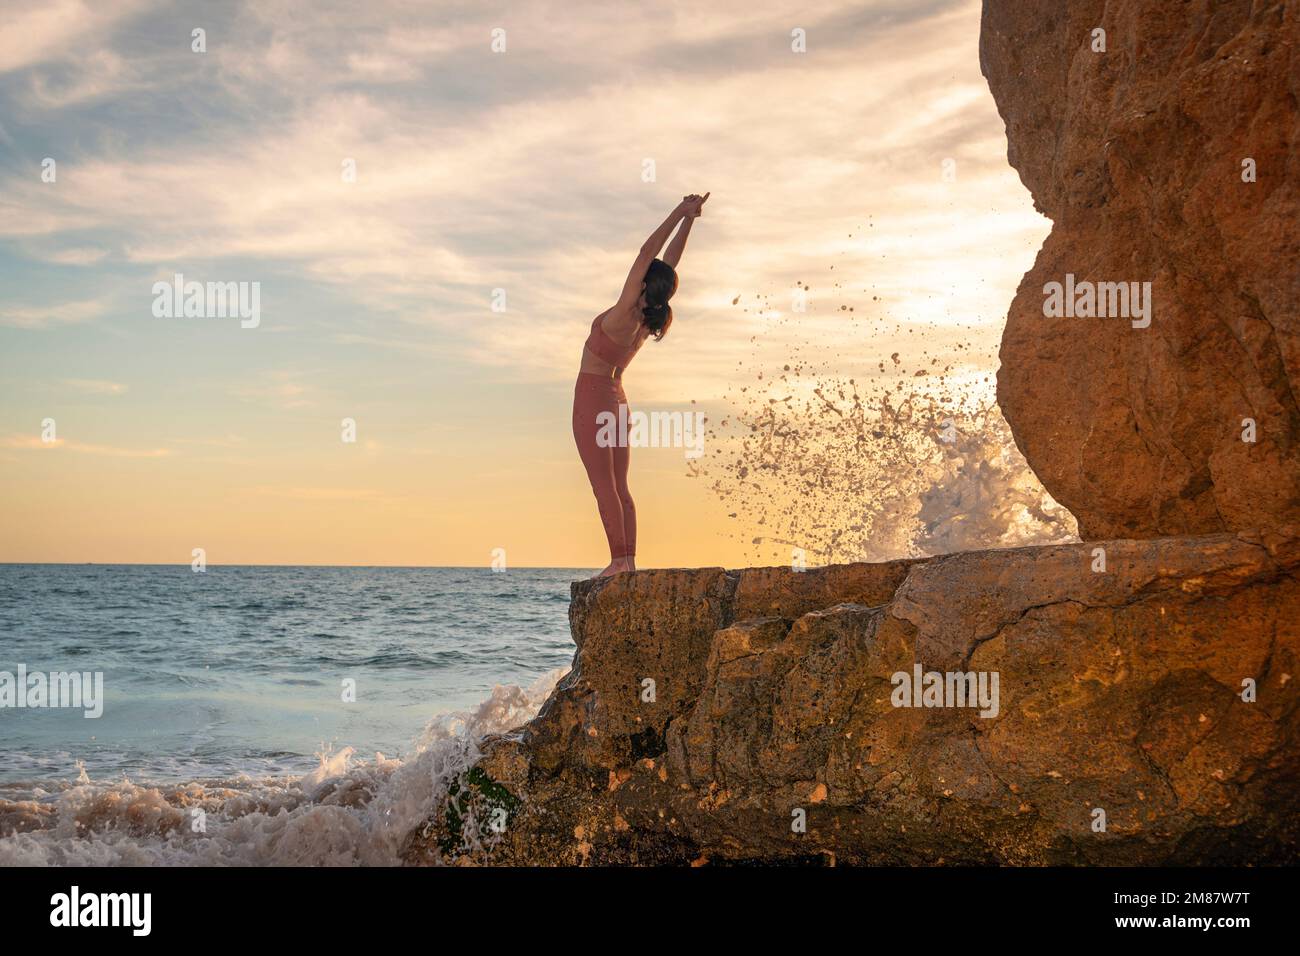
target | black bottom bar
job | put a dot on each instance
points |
(912, 906)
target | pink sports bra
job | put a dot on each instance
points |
(607, 350)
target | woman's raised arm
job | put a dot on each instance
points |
(673, 255)
(649, 249)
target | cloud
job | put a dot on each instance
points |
(77, 256)
(34, 443)
(93, 77)
(43, 316)
(57, 29)
(61, 50)
(282, 388)
(522, 170)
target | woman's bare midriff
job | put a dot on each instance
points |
(594, 365)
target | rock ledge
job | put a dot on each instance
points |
(707, 711)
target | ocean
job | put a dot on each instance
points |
(259, 715)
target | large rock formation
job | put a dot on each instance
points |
(1152, 687)
(1137, 155)
(1137, 700)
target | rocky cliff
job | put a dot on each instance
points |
(1113, 702)
(1144, 710)
(1164, 150)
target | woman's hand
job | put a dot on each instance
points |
(694, 205)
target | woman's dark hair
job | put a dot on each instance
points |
(660, 284)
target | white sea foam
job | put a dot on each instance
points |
(344, 813)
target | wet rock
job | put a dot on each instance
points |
(1146, 712)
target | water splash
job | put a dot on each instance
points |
(341, 814)
(909, 459)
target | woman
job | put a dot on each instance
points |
(616, 335)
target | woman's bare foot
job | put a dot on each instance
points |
(618, 566)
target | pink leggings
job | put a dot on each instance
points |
(606, 467)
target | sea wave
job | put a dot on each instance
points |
(344, 813)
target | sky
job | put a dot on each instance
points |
(439, 298)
